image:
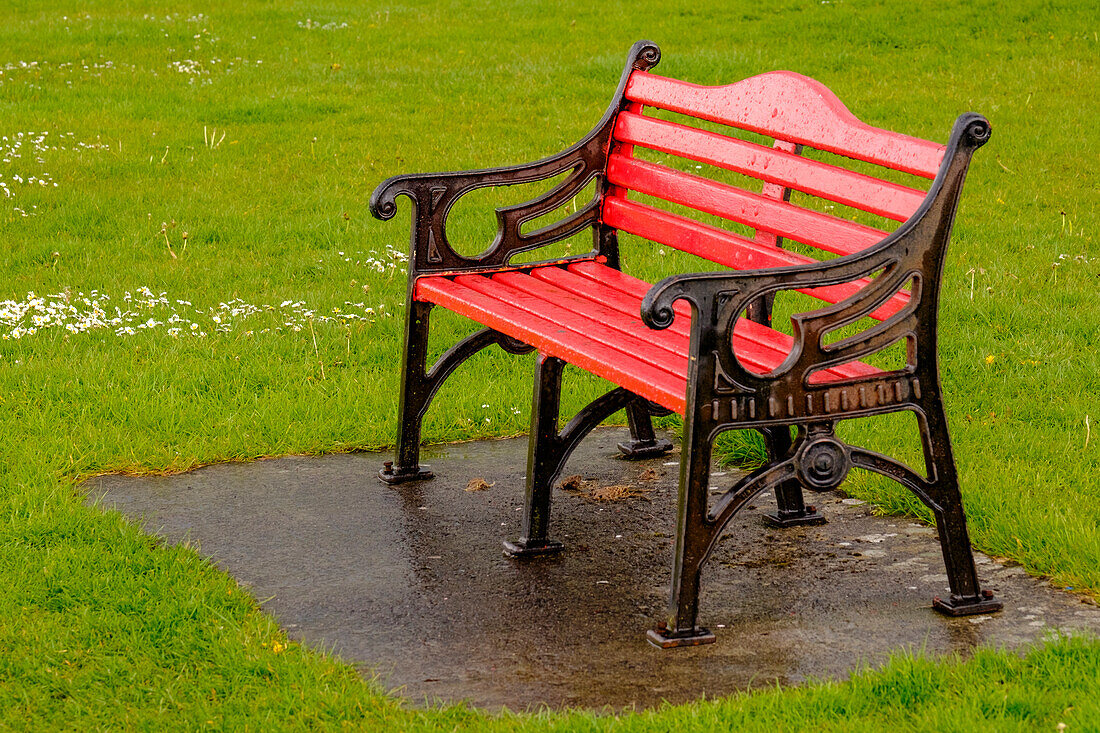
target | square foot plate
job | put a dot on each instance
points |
(638, 449)
(522, 548)
(670, 640)
(774, 519)
(390, 475)
(956, 606)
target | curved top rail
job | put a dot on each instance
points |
(793, 107)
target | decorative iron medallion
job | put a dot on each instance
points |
(823, 463)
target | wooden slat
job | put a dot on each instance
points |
(520, 292)
(802, 225)
(625, 303)
(605, 341)
(595, 311)
(599, 304)
(786, 105)
(774, 166)
(687, 235)
(749, 330)
(624, 314)
(778, 192)
(727, 248)
(759, 355)
(637, 376)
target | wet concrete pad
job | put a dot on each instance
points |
(410, 581)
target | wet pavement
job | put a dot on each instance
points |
(410, 581)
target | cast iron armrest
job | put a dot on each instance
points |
(433, 194)
(914, 252)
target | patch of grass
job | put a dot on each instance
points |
(102, 626)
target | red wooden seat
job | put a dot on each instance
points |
(590, 315)
(720, 173)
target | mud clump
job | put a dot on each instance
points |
(479, 484)
(592, 490)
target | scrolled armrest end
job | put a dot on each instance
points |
(658, 318)
(644, 55)
(977, 129)
(657, 311)
(383, 203)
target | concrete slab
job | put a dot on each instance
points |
(410, 581)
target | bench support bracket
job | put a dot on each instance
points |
(791, 508)
(819, 460)
(418, 386)
(643, 442)
(549, 449)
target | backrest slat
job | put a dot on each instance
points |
(786, 105)
(777, 191)
(726, 248)
(819, 230)
(773, 166)
(795, 112)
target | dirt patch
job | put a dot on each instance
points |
(479, 484)
(591, 490)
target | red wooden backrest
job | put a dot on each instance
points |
(794, 111)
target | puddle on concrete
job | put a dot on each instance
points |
(410, 581)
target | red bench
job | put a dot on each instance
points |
(701, 345)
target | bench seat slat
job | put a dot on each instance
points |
(598, 274)
(638, 376)
(588, 316)
(596, 305)
(759, 349)
(622, 312)
(818, 230)
(545, 310)
(519, 292)
(846, 187)
(616, 285)
(727, 248)
(625, 303)
(789, 106)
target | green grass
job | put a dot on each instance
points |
(103, 626)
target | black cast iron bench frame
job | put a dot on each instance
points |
(719, 393)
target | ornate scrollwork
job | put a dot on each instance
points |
(514, 346)
(658, 316)
(823, 463)
(433, 194)
(978, 130)
(384, 210)
(646, 55)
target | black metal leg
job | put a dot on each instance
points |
(693, 535)
(792, 510)
(542, 461)
(643, 443)
(966, 595)
(760, 310)
(415, 394)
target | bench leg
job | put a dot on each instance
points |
(643, 443)
(792, 510)
(693, 536)
(415, 393)
(543, 457)
(967, 598)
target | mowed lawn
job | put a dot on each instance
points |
(190, 275)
